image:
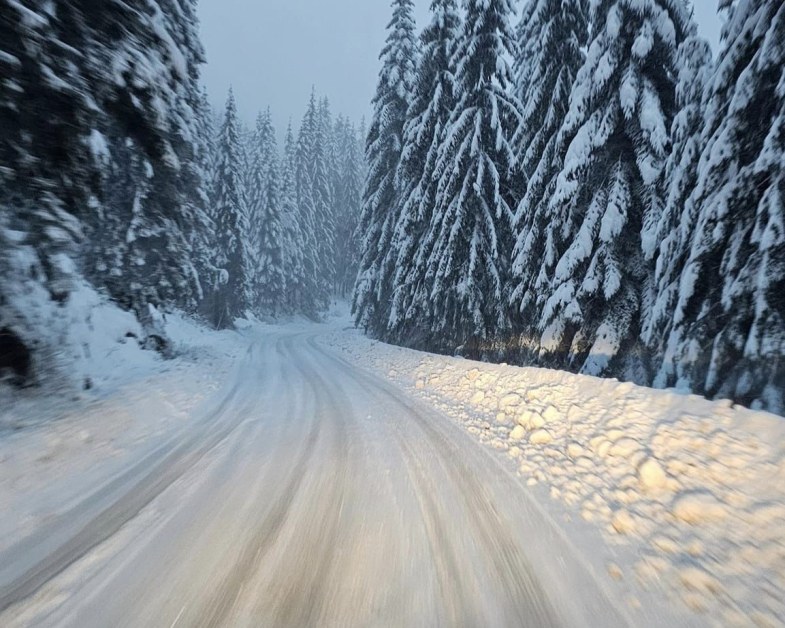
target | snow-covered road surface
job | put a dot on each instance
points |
(307, 492)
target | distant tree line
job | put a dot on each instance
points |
(285, 222)
(589, 190)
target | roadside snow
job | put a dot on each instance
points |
(689, 494)
(56, 449)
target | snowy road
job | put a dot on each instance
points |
(306, 493)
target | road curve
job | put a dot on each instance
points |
(307, 493)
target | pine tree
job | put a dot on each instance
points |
(667, 240)
(433, 100)
(728, 335)
(323, 178)
(293, 234)
(469, 265)
(306, 165)
(202, 237)
(621, 110)
(234, 296)
(265, 210)
(381, 199)
(348, 205)
(551, 35)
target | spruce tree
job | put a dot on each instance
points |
(265, 194)
(433, 100)
(101, 145)
(154, 214)
(621, 110)
(178, 201)
(255, 183)
(551, 35)
(468, 268)
(323, 179)
(293, 234)
(47, 179)
(349, 207)
(667, 240)
(306, 158)
(381, 198)
(728, 335)
(234, 296)
(202, 237)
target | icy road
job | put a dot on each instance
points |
(306, 492)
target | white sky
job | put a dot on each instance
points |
(272, 51)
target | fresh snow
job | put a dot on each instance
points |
(668, 506)
(54, 448)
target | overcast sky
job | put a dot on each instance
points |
(272, 51)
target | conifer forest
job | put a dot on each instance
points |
(586, 187)
(582, 186)
(392, 313)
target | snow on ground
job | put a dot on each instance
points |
(54, 449)
(689, 494)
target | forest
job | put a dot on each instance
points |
(119, 181)
(586, 187)
(573, 184)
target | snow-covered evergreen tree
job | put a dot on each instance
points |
(178, 198)
(381, 199)
(728, 336)
(552, 34)
(621, 110)
(667, 240)
(202, 236)
(307, 158)
(348, 204)
(323, 176)
(293, 234)
(432, 103)
(468, 268)
(264, 200)
(255, 149)
(150, 261)
(235, 295)
(82, 99)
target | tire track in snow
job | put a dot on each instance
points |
(300, 594)
(221, 603)
(528, 600)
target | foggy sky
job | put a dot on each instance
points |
(273, 51)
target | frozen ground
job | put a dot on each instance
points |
(303, 475)
(689, 495)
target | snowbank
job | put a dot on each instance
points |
(689, 494)
(55, 449)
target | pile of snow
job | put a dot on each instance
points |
(689, 494)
